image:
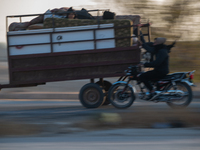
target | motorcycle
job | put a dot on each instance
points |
(174, 89)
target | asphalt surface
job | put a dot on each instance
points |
(118, 139)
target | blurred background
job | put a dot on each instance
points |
(174, 19)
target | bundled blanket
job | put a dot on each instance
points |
(16, 26)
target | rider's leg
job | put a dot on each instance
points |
(147, 77)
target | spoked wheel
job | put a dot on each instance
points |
(121, 97)
(106, 86)
(183, 96)
(91, 95)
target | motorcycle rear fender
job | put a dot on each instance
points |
(124, 82)
(187, 82)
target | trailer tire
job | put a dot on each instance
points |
(106, 87)
(91, 95)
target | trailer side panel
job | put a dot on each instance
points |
(72, 65)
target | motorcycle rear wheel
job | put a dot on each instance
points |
(184, 100)
(119, 98)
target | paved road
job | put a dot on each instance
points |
(128, 139)
(71, 111)
(74, 107)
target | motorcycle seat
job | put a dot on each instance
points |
(168, 77)
(174, 76)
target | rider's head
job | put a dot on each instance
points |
(159, 40)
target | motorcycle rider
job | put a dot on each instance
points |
(160, 64)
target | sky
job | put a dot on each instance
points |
(22, 7)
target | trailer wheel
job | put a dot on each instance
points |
(106, 86)
(91, 95)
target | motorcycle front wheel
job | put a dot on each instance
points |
(181, 100)
(121, 96)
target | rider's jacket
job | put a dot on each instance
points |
(161, 63)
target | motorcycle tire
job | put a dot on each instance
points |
(120, 99)
(185, 100)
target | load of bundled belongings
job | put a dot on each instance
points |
(37, 23)
(57, 18)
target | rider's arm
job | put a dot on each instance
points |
(148, 48)
(162, 54)
(135, 32)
